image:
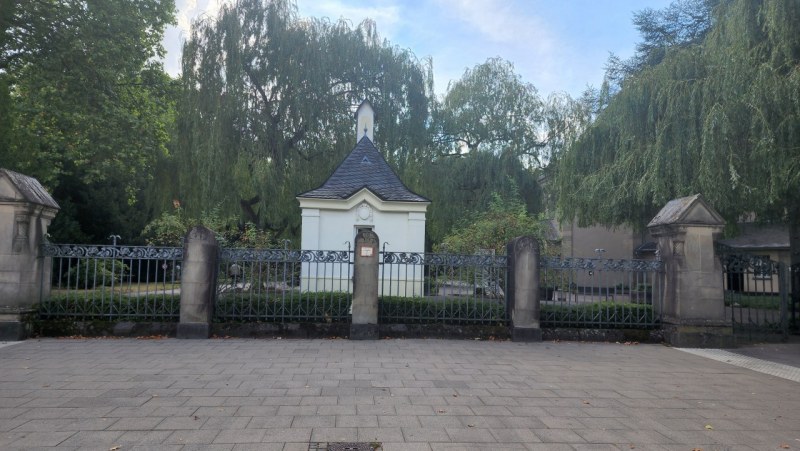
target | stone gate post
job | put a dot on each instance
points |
(693, 311)
(364, 325)
(198, 283)
(26, 210)
(523, 288)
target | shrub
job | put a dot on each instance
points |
(394, 310)
(287, 307)
(599, 315)
(107, 305)
(91, 273)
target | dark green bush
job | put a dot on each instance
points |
(606, 315)
(399, 310)
(94, 273)
(104, 304)
(287, 307)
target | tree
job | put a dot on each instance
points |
(490, 109)
(487, 138)
(463, 186)
(719, 117)
(267, 103)
(505, 219)
(90, 110)
(683, 23)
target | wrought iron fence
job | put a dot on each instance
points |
(756, 295)
(111, 282)
(442, 288)
(600, 293)
(283, 285)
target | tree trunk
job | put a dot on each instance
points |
(247, 208)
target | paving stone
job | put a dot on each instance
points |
(408, 394)
(204, 436)
(85, 439)
(38, 439)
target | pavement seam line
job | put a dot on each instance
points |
(762, 366)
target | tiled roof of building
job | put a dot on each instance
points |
(759, 236)
(364, 167)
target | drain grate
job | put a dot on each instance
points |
(344, 446)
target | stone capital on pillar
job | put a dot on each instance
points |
(693, 311)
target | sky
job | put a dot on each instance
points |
(556, 45)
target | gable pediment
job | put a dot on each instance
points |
(17, 187)
(692, 210)
(365, 195)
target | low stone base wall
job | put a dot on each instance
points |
(67, 328)
(604, 335)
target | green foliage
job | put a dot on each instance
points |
(505, 219)
(108, 305)
(266, 108)
(88, 106)
(756, 301)
(606, 315)
(291, 308)
(399, 310)
(719, 116)
(91, 273)
(486, 139)
(491, 109)
(171, 227)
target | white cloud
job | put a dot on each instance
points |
(500, 21)
(385, 14)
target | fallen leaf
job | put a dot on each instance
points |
(114, 448)
(785, 446)
(471, 425)
(697, 449)
(586, 402)
(441, 411)
(709, 427)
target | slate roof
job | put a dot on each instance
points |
(30, 189)
(759, 236)
(364, 167)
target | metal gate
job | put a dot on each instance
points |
(756, 296)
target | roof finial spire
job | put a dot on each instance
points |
(365, 119)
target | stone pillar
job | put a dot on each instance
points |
(693, 310)
(364, 325)
(523, 288)
(26, 210)
(198, 283)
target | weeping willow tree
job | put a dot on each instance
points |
(717, 113)
(267, 108)
(487, 140)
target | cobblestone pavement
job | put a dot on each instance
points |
(238, 394)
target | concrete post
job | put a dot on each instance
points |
(198, 283)
(693, 311)
(523, 288)
(364, 324)
(26, 210)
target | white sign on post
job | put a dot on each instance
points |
(366, 251)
